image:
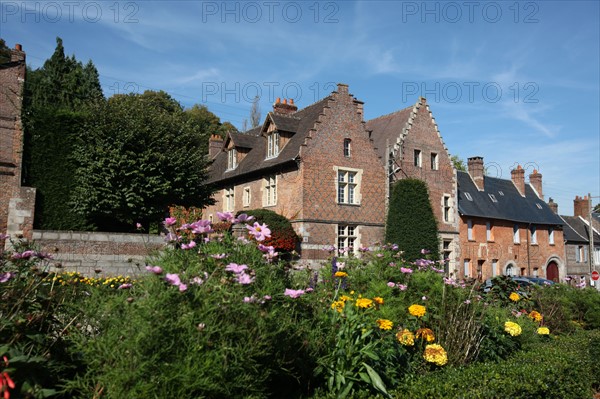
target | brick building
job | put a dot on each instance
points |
(16, 202)
(577, 240)
(506, 227)
(409, 143)
(316, 166)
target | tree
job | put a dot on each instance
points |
(596, 208)
(208, 122)
(458, 163)
(255, 112)
(4, 52)
(139, 155)
(410, 221)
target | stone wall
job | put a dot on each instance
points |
(99, 254)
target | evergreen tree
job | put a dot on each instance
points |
(410, 221)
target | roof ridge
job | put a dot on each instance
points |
(391, 113)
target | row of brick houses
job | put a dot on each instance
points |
(329, 171)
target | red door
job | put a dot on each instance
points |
(552, 271)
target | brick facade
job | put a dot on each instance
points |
(16, 202)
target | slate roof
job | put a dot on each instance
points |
(299, 124)
(386, 129)
(576, 230)
(509, 205)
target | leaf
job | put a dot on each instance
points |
(376, 380)
(346, 390)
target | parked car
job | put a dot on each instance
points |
(522, 282)
(539, 280)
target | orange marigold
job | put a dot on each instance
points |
(426, 333)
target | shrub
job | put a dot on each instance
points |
(283, 237)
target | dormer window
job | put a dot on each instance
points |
(493, 197)
(347, 147)
(468, 196)
(231, 159)
(273, 145)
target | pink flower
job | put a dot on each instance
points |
(309, 289)
(182, 287)
(249, 299)
(154, 269)
(391, 284)
(235, 268)
(406, 270)
(225, 216)
(341, 265)
(197, 281)
(392, 264)
(425, 251)
(138, 225)
(243, 218)
(124, 286)
(265, 248)
(402, 287)
(4, 277)
(191, 245)
(244, 279)
(293, 293)
(201, 227)
(267, 297)
(170, 221)
(218, 256)
(260, 232)
(173, 279)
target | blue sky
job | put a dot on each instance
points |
(514, 82)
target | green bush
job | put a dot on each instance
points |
(283, 237)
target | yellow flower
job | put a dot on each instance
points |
(417, 310)
(338, 305)
(345, 298)
(514, 297)
(341, 274)
(378, 300)
(512, 328)
(535, 316)
(543, 331)
(385, 324)
(434, 353)
(405, 337)
(426, 333)
(364, 303)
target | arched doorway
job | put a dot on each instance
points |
(552, 271)
(510, 270)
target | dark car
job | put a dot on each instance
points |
(523, 283)
(540, 281)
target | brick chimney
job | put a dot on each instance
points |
(215, 145)
(553, 205)
(475, 167)
(283, 107)
(581, 207)
(518, 179)
(535, 179)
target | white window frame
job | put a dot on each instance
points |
(231, 159)
(516, 234)
(447, 212)
(418, 161)
(247, 197)
(347, 186)
(494, 267)
(434, 161)
(273, 145)
(470, 230)
(488, 231)
(347, 236)
(467, 267)
(347, 148)
(270, 190)
(551, 236)
(533, 231)
(229, 199)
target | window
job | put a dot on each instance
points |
(494, 267)
(434, 161)
(510, 270)
(273, 145)
(467, 267)
(581, 255)
(347, 147)
(488, 232)
(551, 236)
(538, 205)
(447, 254)
(493, 197)
(533, 231)
(231, 159)
(247, 196)
(210, 218)
(348, 187)
(347, 239)
(271, 190)
(480, 269)
(516, 234)
(536, 272)
(470, 230)
(468, 196)
(229, 200)
(447, 209)
(418, 158)
(501, 193)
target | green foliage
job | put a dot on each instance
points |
(208, 122)
(283, 236)
(560, 368)
(410, 220)
(458, 163)
(140, 154)
(4, 52)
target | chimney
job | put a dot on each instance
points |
(360, 108)
(18, 47)
(553, 205)
(581, 207)
(342, 88)
(215, 144)
(423, 100)
(283, 107)
(475, 167)
(518, 178)
(535, 179)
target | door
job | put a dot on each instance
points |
(552, 271)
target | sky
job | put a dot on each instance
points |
(516, 82)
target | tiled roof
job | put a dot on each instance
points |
(386, 129)
(509, 203)
(576, 230)
(298, 123)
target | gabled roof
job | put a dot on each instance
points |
(386, 129)
(576, 230)
(510, 204)
(298, 123)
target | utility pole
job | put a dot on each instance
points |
(591, 236)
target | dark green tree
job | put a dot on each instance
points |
(140, 154)
(4, 52)
(410, 220)
(208, 122)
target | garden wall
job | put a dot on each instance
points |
(97, 253)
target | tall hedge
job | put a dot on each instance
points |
(410, 220)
